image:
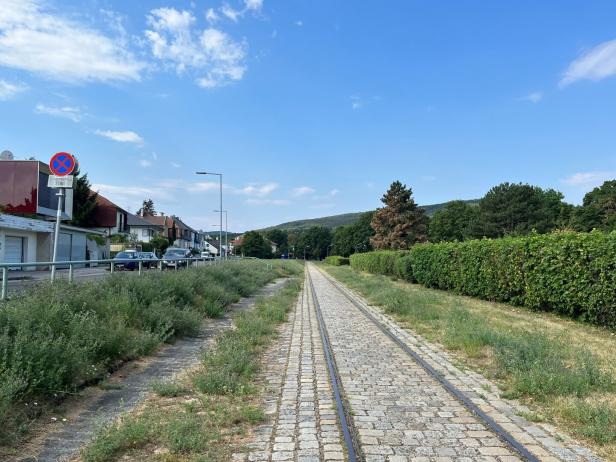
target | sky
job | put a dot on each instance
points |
(311, 107)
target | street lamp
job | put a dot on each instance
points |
(220, 229)
(226, 232)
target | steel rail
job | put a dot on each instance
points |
(344, 415)
(502, 434)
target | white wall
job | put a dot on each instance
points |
(30, 243)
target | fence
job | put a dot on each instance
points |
(114, 265)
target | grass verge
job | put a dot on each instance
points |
(56, 339)
(203, 415)
(564, 370)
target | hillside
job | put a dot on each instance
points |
(334, 221)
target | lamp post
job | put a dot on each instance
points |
(220, 229)
(226, 232)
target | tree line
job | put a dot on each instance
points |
(508, 209)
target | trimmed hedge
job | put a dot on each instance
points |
(337, 260)
(569, 273)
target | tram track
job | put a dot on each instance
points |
(498, 430)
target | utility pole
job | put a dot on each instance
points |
(220, 229)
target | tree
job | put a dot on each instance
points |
(84, 201)
(598, 209)
(160, 244)
(401, 223)
(254, 245)
(313, 243)
(147, 208)
(353, 238)
(279, 237)
(517, 209)
(454, 222)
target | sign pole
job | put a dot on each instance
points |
(56, 236)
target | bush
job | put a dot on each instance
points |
(337, 260)
(573, 274)
(55, 338)
(379, 262)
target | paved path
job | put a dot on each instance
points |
(399, 412)
(185, 353)
(303, 425)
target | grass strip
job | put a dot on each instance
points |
(54, 339)
(563, 369)
(203, 415)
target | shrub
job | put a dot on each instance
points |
(573, 274)
(379, 262)
(55, 338)
(337, 260)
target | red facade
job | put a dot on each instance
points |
(19, 183)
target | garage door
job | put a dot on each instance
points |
(14, 250)
(64, 249)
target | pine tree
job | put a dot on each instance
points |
(147, 209)
(84, 201)
(401, 223)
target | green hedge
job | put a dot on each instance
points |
(337, 260)
(570, 273)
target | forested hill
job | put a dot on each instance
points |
(334, 221)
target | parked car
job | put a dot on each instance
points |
(207, 256)
(151, 260)
(176, 258)
(126, 261)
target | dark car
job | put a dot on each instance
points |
(150, 260)
(176, 257)
(126, 261)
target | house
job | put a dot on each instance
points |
(24, 190)
(184, 234)
(24, 240)
(211, 246)
(143, 229)
(165, 222)
(109, 217)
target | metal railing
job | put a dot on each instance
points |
(111, 264)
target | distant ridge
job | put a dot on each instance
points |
(334, 221)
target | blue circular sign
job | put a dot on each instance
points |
(62, 164)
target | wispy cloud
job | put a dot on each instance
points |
(212, 54)
(533, 97)
(299, 23)
(131, 197)
(589, 179)
(257, 190)
(65, 112)
(175, 164)
(145, 163)
(302, 191)
(356, 102)
(36, 40)
(9, 90)
(596, 64)
(253, 6)
(121, 136)
(277, 202)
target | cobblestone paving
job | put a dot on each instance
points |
(70, 437)
(303, 424)
(403, 414)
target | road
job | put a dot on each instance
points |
(401, 398)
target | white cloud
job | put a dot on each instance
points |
(302, 191)
(214, 56)
(8, 90)
(121, 137)
(131, 197)
(533, 97)
(334, 192)
(230, 13)
(356, 102)
(299, 23)
(34, 39)
(596, 64)
(253, 5)
(588, 179)
(276, 202)
(145, 163)
(175, 164)
(65, 112)
(211, 16)
(257, 190)
(203, 186)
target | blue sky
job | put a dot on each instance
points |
(311, 107)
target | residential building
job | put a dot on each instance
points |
(165, 222)
(24, 190)
(24, 240)
(211, 246)
(109, 217)
(184, 234)
(143, 229)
